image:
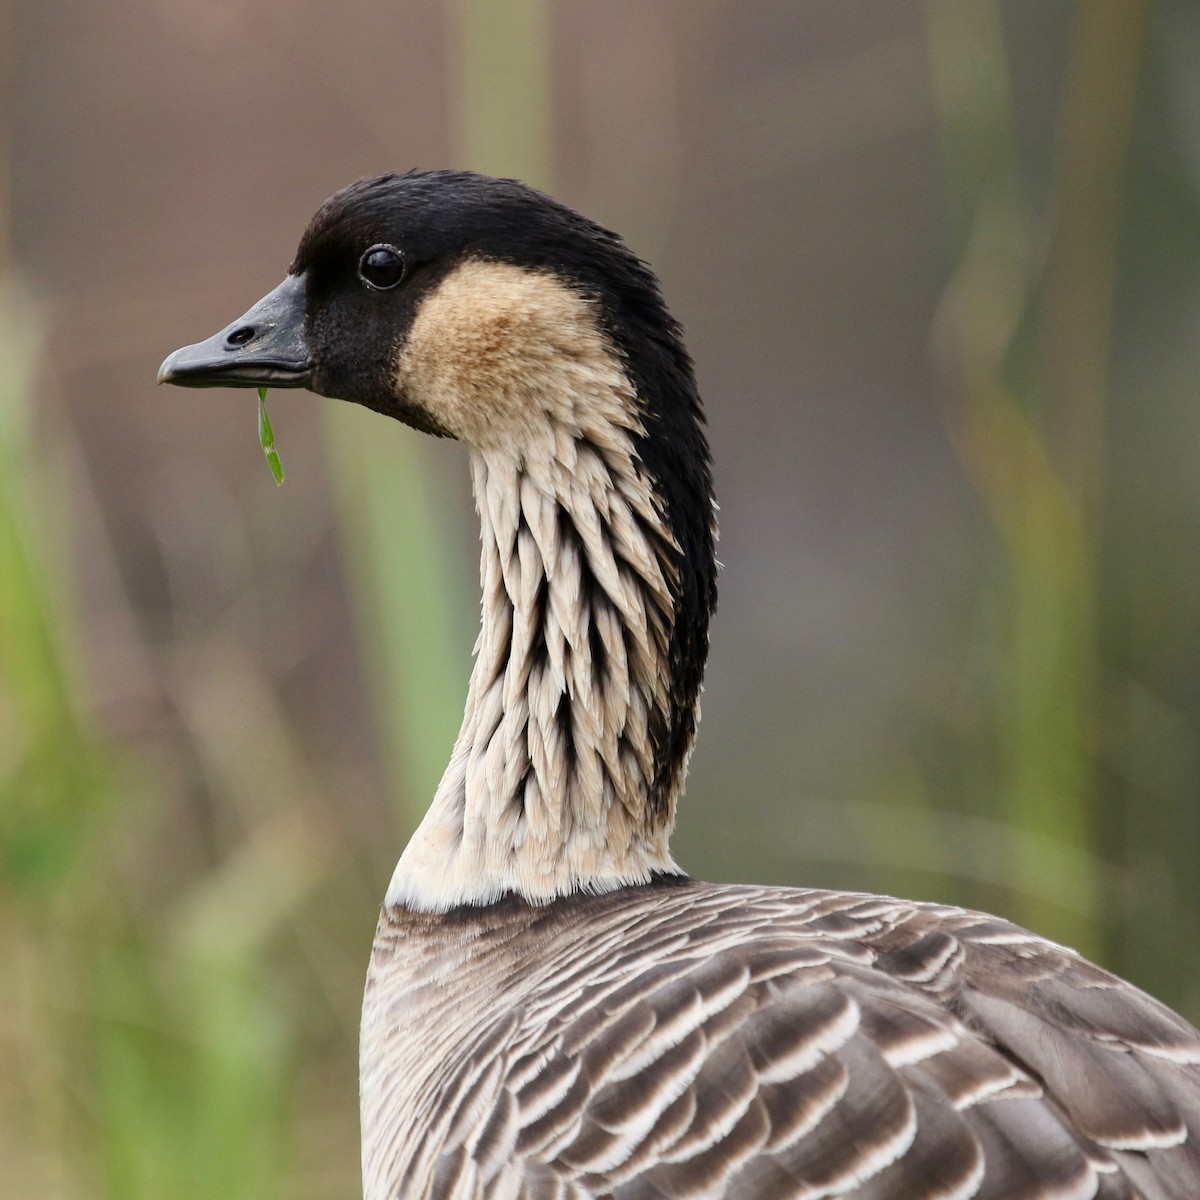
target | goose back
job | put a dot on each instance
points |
(684, 1039)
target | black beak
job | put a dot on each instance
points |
(266, 347)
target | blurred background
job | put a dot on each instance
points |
(940, 267)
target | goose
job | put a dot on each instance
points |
(554, 1008)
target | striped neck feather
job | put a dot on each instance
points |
(556, 783)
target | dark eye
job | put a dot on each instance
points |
(381, 267)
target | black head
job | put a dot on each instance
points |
(375, 250)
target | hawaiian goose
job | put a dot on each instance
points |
(554, 1009)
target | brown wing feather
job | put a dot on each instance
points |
(693, 1041)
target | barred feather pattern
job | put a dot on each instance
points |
(689, 1041)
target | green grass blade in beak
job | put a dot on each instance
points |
(266, 437)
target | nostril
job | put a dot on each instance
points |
(239, 337)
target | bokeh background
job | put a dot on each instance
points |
(940, 267)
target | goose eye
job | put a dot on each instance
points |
(381, 267)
